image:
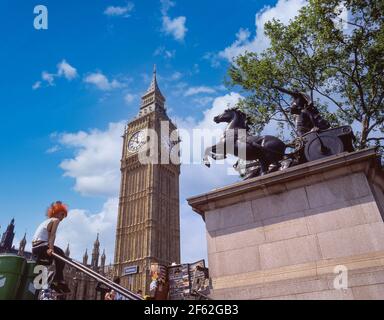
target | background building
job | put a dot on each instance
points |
(83, 287)
(6, 243)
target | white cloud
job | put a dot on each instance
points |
(179, 88)
(196, 90)
(48, 77)
(119, 11)
(195, 69)
(284, 10)
(176, 27)
(219, 105)
(163, 52)
(101, 81)
(203, 101)
(66, 70)
(36, 85)
(80, 229)
(165, 6)
(53, 149)
(173, 26)
(176, 76)
(129, 98)
(95, 166)
(213, 58)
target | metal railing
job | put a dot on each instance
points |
(91, 273)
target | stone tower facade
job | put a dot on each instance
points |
(148, 226)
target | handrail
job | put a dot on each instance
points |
(91, 273)
(111, 282)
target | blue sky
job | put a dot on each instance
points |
(67, 92)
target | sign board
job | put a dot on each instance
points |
(131, 270)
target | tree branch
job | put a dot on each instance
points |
(379, 121)
(351, 23)
(298, 63)
(285, 114)
(380, 99)
(375, 139)
(334, 101)
(359, 87)
(357, 83)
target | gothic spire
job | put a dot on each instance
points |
(7, 238)
(22, 244)
(67, 252)
(153, 98)
(85, 257)
(97, 242)
(24, 240)
(95, 253)
(103, 257)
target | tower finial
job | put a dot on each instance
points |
(67, 251)
(152, 99)
(85, 257)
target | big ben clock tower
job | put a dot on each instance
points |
(148, 225)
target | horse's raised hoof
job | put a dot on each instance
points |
(207, 164)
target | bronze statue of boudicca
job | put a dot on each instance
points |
(259, 155)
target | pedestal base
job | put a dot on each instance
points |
(314, 231)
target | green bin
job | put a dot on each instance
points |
(11, 271)
(27, 289)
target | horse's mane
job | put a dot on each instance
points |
(247, 119)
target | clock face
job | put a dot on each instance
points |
(138, 139)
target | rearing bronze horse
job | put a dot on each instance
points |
(266, 149)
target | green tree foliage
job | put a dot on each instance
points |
(333, 51)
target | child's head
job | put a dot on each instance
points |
(57, 210)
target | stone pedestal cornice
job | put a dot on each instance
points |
(301, 175)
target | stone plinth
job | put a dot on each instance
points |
(280, 236)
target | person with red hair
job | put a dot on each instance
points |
(44, 240)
